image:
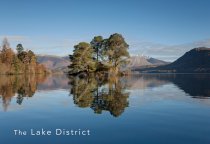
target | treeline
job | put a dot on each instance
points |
(110, 55)
(22, 62)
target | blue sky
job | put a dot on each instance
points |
(151, 27)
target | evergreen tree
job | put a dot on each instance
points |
(97, 44)
(19, 48)
(101, 55)
(82, 59)
(17, 65)
(23, 56)
(117, 51)
(32, 57)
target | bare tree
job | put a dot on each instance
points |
(5, 44)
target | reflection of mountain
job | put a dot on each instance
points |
(196, 85)
(100, 94)
(193, 84)
(54, 82)
(144, 81)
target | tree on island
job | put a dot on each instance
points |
(117, 51)
(82, 59)
(97, 44)
(101, 54)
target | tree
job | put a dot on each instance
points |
(82, 59)
(101, 54)
(5, 44)
(23, 56)
(22, 62)
(117, 50)
(32, 57)
(19, 48)
(17, 65)
(6, 53)
(97, 44)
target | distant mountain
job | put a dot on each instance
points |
(145, 62)
(196, 60)
(53, 62)
(157, 62)
(59, 64)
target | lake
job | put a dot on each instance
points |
(144, 108)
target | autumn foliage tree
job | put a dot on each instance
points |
(24, 62)
(6, 52)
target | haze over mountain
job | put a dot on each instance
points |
(57, 63)
(163, 51)
(143, 61)
(196, 60)
(53, 62)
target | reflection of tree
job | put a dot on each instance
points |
(21, 94)
(24, 86)
(82, 91)
(20, 97)
(100, 93)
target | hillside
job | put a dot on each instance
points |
(53, 62)
(57, 63)
(144, 62)
(196, 60)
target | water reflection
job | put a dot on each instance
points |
(195, 85)
(22, 86)
(100, 94)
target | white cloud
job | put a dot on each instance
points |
(57, 46)
(14, 38)
(165, 52)
(42, 44)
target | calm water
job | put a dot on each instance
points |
(147, 109)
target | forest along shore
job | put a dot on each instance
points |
(22, 62)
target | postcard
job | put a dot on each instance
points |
(105, 72)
